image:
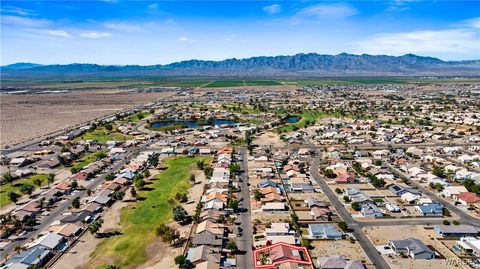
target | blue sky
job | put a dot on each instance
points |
(160, 32)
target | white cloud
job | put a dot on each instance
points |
(59, 33)
(399, 5)
(455, 41)
(121, 26)
(24, 21)
(474, 22)
(228, 39)
(153, 6)
(187, 39)
(94, 35)
(327, 11)
(272, 9)
(17, 11)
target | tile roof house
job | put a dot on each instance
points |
(467, 198)
(413, 247)
(283, 255)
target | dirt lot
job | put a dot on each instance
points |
(28, 116)
(269, 139)
(353, 251)
(379, 235)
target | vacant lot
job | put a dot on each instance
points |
(139, 220)
(29, 116)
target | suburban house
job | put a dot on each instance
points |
(324, 231)
(467, 198)
(34, 257)
(336, 262)
(273, 207)
(456, 230)
(413, 247)
(431, 209)
(470, 245)
(370, 210)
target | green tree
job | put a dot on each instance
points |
(208, 171)
(258, 195)
(13, 196)
(50, 178)
(133, 192)
(95, 226)
(76, 202)
(356, 206)
(232, 246)
(7, 178)
(343, 226)
(338, 190)
(74, 184)
(109, 177)
(146, 174)
(192, 178)
(328, 173)
(179, 213)
(37, 181)
(180, 260)
(27, 189)
(232, 203)
(438, 171)
(108, 126)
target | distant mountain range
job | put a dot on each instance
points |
(299, 65)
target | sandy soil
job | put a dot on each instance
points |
(339, 247)
(28, 116)
(269, 139)
(79, 254)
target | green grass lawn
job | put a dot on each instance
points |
(262, 83)
(86, 160)
(305, 117)
(225, 83)
(136, 117)
(15, 187)
(139, 221)
(101, 135)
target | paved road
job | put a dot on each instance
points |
(464, 217)
(58, 211)
(246, 241)
(362, 239)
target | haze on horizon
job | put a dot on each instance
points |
(156, 32)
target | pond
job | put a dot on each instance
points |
(189, 123)
(291, 119)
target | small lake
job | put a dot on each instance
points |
(291, 119)
(189, 123)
